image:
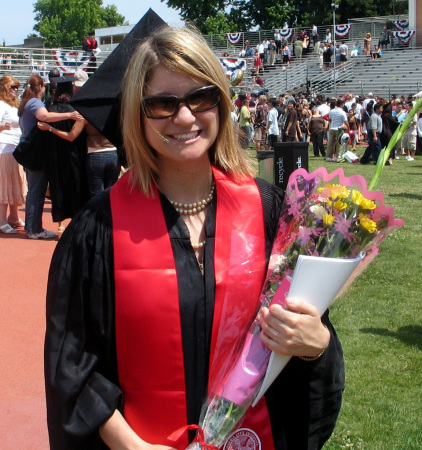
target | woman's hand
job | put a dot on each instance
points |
(296, 331)
(6, 126)
(43, 126)
(76, 116)
(118, 435)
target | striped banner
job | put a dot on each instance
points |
(402, 25)
(234, 38)
(286, 33)
(403, 36)
(230, 65)
(70, 61)
(342, 30)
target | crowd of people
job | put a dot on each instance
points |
(367, 120)
(90, 163)
(64, 157)
(308, 41)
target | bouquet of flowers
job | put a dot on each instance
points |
(327, 218)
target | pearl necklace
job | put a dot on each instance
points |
(199, 245)
(194, 208)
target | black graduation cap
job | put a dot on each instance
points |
(99, 98)
(64, 83)
(63, 79)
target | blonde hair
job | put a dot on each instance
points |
(182, 51)
(5, 83)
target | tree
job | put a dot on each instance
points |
(219, 24)
(197, 12)
(244, 15)
(65, 23)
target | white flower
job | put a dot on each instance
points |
(318, 211)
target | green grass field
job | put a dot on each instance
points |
(379, 322)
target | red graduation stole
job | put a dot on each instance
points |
(148, 330)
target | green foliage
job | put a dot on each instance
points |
(262, 13)
(197, 12)
(111, 17)
(219, 24)
(65, 23)
(244, 15)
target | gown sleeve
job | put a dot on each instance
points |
(305, 399)
(80, 354)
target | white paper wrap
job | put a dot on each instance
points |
(316, 280)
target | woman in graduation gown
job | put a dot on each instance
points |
(140, 279)
(68, 183)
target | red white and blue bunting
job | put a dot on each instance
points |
(234, 38)
(342, 30)
(403, 36)
(286, 33)
(70, 61)
(232, 64)
(401, 24)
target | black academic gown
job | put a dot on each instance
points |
(82, 385)
(66, 169)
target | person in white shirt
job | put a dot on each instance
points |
(277, 40)
(328, 35)
(260, 50)
(12, 183)
(409, 140)
(265, 43)
(344, 51)
(323, 108)
(350, 100)
(272, 124)
(368, 99)
(337, 120)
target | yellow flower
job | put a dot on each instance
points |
(367, 223)
(338, 191)
(368, 204)
(339, 205)
(327, 219)
(360, 200)
(357, 197)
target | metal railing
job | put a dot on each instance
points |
(329, 79)
(288, 79)
(21, 63)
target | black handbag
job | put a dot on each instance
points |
(32, 153)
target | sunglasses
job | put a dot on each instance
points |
(14, 87)
(164, 106)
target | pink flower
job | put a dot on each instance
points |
(342, 225)
(304, 235)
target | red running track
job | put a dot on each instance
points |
(24, 265)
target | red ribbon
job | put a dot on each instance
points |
(176, 435)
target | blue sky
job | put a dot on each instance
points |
(15, 25)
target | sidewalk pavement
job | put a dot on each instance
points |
(24, 265)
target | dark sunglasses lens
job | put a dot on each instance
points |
(163, 106)
(14, 87)
(203, 99)
(160, 106)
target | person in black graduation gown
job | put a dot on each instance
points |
(177, 132)
(65, 169)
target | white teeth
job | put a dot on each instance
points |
(185, 137)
